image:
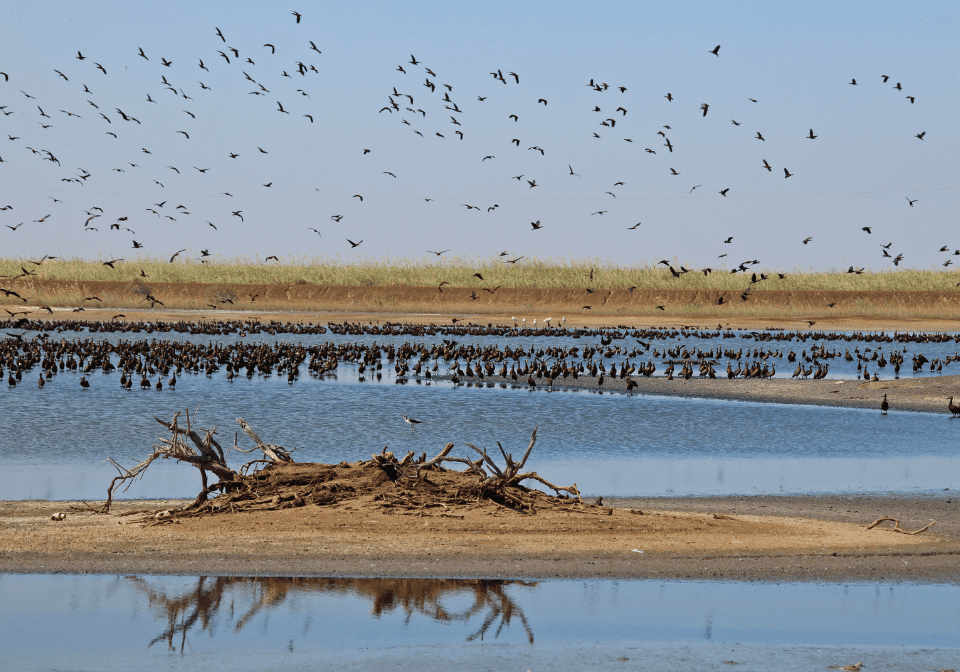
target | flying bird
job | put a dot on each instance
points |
(353, 244)
(715, 51)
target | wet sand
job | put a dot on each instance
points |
(819, 538)
(929, 395)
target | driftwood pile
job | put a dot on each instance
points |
(404, 486)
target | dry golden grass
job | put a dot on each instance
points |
(459, 272)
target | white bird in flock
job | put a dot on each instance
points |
(547, 322)
(524, 322)
(563, 322)
(534, 323)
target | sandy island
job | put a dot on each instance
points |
(759, 538)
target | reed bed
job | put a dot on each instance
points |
(460, 272)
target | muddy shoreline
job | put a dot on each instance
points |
(924, 395)
(932, 557)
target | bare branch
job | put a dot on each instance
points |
(487, 459)
(274, 453)
(533, 440)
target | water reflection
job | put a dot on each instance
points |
(244, 623)
(200, 608)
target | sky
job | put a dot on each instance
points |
(296, 182)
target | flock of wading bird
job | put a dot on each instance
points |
(431, 352)
(427, 107)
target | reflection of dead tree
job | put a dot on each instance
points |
(501, 606)
(200, 606)
(896, 527)
(204, 453)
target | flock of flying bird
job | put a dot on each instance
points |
(443, 115)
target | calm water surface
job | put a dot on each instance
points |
(54, 440)
(145, 622)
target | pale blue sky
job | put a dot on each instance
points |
(796, 61)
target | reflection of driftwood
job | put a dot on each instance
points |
(201, 605)
(204, 453)
(897, 528)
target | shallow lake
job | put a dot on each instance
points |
(241, 623)
(54, 441)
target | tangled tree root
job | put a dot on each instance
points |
(406, 486)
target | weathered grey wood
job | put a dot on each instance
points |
(274, 453)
